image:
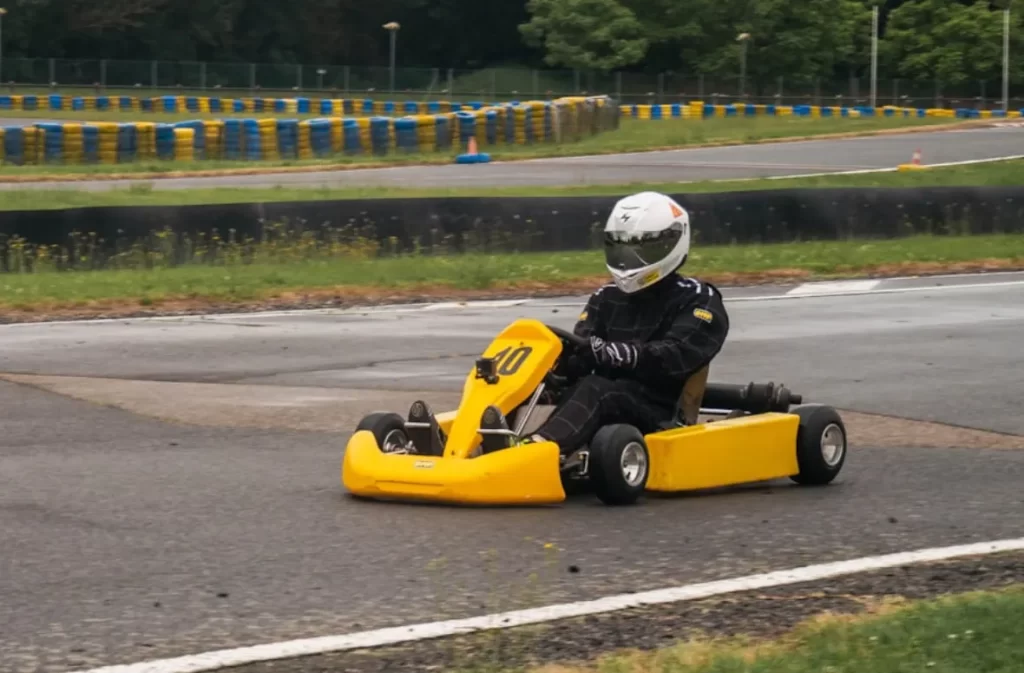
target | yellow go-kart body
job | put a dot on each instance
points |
(750, 448)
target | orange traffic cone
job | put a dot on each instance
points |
(915, 162)
(472, 155)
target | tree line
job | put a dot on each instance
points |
(954, 41)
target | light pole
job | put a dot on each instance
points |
(3, 11)
(1006, 58)
(392, 27)
(874, 57)
(743, 38)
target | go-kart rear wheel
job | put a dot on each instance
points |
(388, 429)
(820, 444)
(619, 464)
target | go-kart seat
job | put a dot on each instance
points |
(688, 407)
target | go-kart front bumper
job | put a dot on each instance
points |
(521, 475)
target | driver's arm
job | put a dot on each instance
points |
(586, 325)
(695, 337)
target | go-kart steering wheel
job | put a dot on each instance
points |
(569, 337)
(568, 369)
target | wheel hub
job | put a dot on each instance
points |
(633, 464)
(833, 444)
(395, 441)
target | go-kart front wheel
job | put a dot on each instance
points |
(619, 464)
(388, 429)
(820, 444)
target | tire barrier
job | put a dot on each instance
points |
(701, 110)
(268, 139)
(328, 107)
(502, 225)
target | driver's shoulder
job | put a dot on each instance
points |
(605, 292)
(695, 288)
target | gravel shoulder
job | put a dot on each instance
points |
(758, 615)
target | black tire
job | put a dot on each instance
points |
(608, 477)
(819, 465)
(386, 427)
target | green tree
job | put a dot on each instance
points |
(950, 42)
(804, 39)
(586, 34)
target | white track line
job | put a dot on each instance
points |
(834, 287)
(218, 659)
(809, 293)
(890, 169)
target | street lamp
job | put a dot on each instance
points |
(743, 38)
(392, 27)
(874, 57)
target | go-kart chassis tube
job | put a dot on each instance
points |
(521, 425)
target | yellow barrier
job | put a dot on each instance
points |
(184, 141)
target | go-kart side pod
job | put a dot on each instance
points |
(725, 453)
(519, 475)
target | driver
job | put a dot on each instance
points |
(649, 330)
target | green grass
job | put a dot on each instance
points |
(971, 633)
(226, 273)
(633, 135)
(998, 173)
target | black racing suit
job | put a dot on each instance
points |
(677, 326)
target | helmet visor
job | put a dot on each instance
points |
(627, 251)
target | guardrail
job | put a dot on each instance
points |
(251, 139)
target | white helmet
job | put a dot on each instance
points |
(646, 237)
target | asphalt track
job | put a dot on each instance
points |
(144, 515)
(743, 161)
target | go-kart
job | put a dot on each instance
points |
(721, 435)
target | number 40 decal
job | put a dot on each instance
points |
(509, 361)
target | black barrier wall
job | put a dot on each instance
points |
(534, 224)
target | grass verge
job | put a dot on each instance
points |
(632, 136)
(996, 173)
(302, 275)
(970, 633)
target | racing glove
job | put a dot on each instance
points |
(613, 354)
